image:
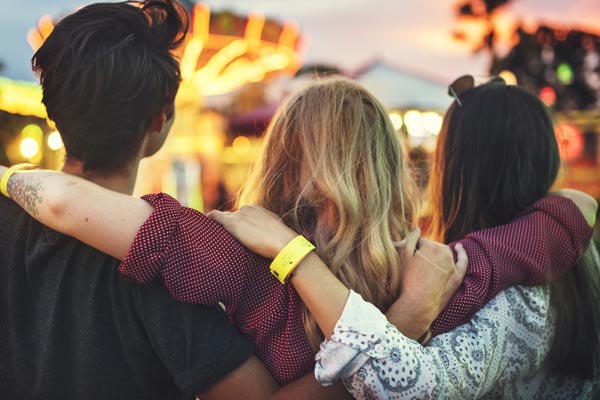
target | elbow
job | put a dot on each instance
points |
(56, 208)
(56, 205)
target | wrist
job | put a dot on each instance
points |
(307, 266)
(9, 172)
(288, 259)
(280, 242)
(409, 317)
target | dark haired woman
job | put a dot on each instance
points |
(506, 135)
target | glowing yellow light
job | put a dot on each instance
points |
(33, 131)
(211, 144)
(508, 77)
(201, 22)
(35, 39)
(29, 147)
(274, 62)
(413, 120)
(254, 29)
(46, 26)
(432, 122)
(190, 57)
(23, 98)
(241, 145)
(288, 35)
(37, 36)
(396, 119)
(54, 141)
(216, 63)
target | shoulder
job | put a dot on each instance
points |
(517, 316)
(518, 306)
(188, 231)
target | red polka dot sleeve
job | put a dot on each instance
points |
(535, 249)
(195, 257)
(199, 262)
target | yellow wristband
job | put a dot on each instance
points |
(289, 257)
(10, 172)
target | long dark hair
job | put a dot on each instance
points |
(497, 155)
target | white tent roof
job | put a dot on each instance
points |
(397, 88)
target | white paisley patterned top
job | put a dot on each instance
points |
(497, 355)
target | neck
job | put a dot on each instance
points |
(122, 181)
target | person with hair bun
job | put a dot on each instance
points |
(72, 327)
(332, 168)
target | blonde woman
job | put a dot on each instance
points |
(332, 168)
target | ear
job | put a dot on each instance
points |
(158, 122)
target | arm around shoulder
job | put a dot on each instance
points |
(99, 217)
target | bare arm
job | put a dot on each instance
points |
(99, 217)
(430, 277)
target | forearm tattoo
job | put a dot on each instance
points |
(26, 190)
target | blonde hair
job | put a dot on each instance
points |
(332, 168)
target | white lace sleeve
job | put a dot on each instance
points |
(506, 339)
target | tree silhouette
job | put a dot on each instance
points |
(565, 64)
(482, 11)
(561, 65)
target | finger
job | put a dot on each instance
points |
(462, 261)
(218, 216)
(410, 243)
(438, 255)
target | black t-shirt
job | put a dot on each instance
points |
(72, 328)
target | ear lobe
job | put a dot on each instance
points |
(158, 122)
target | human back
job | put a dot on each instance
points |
(72, 327)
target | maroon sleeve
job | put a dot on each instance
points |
(535, 249)
(197, 259)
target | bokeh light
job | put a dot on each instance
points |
(564, 73)
(570, 142)
(432, 122)
(29, 147)
(396, 119)
(241, 145)
(55, 141)
(548, 96)
(413, 120)
(508, 77)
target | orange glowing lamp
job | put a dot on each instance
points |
(570, 142)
